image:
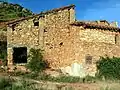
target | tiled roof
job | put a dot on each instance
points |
(42, 13)
(95, 25)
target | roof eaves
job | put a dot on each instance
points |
(42, 13)
(79, 23)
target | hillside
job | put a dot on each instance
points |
(9, 11)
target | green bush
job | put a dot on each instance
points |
(3, 52)
(9, 84)
(36, 63)
(109, 68)
(4, 83)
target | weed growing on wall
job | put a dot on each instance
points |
(109, 68)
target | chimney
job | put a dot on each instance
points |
(114, 24)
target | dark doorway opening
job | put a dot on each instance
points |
(20, 55)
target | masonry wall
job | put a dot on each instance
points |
(96, 43)
(56, 34)
(97, 35)
(77, 43)
(25, 34)
(63, 43)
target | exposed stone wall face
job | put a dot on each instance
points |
(98, 43)
(97, 35)
(57, 27)
(63, 43)
(77, 43)
(24, 34)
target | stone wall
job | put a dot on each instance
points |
(25, 34)
(63, 43)
(56, 34)
(97, 35)
(78, 42)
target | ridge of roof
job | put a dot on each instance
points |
(90, 24)
(42, 13)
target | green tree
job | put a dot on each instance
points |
(36, 62)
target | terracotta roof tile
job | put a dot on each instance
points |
(93, 25)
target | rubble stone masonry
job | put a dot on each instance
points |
(62, 43)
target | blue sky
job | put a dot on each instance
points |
(85, 9)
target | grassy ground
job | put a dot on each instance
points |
(28, 82)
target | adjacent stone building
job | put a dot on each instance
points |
(64, 39)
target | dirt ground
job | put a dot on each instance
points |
(99, 85)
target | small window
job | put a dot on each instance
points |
(36, 23)
(88, 59)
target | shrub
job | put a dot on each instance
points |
(36, 62)
(7, 84)
(4, 83)
(109, 68)
(3, 52)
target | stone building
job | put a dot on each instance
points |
(63, 38)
